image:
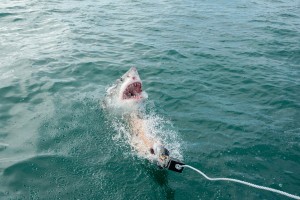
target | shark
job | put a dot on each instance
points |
(126, 96)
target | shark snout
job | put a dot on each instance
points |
(133, 73)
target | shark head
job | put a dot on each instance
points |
(126, 91)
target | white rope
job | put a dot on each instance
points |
(245, 183)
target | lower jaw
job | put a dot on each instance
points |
(133, 99)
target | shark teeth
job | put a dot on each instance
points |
(133, 91)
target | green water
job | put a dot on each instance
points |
(226, 74)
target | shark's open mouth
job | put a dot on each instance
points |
(133, 91)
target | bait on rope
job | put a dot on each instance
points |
(177, 166)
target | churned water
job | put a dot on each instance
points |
(223, 76)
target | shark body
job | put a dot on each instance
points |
(126, 96)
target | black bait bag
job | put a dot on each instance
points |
(175, 165)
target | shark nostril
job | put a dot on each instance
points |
(133, 78)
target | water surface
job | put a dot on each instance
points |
(225, 74)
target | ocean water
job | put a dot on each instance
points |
(223, 78)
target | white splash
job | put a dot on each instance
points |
(157, 128)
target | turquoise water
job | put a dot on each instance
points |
(224, 74)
